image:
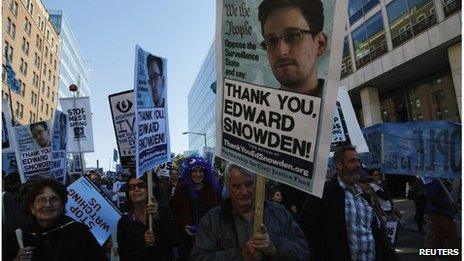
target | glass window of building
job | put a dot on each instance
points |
(376, 36)
(359, 8)
(14, 8)
(346, 61)
(451, 6)
(10, 28)
(410, 17)
(422, 14)
(361, 46)
(355, 10)
(399, 20)
(369, 4)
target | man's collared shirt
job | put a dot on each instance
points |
(358, 215)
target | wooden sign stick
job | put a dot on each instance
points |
(259, 203)
(150, 197)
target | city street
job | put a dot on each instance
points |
(409, 238)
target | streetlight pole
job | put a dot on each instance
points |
(73, 88)
(196, 133)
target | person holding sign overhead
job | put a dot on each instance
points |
(53, 236)
(226, 232)
(135, 240)
(293, 40)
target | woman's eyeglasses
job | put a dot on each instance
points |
(140, 185)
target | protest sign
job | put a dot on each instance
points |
(272, 114)
(208, 155)
(346, 130)
(391, 227)
(7, 139)
(33, 150)
(87, 205)
(151, 128)
(80, 138)
(123, 114)
(59, 146)
(430, 148)
(9, 164)
(165, 168)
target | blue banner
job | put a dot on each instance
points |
(87, 205)
(430, 149)
(11, 80)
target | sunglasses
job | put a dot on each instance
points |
(291, 37)
(140, 185)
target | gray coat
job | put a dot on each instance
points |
(217, 236)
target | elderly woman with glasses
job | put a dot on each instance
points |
(52, 235)
(136, 241)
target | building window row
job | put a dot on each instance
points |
(25, 46)
(13, 8)
(32, 117)
(451, 6)
(23, 67)
(27, 26)
(37, 61)
(8, 52)
(359, 8)
(34, 98)
(369, 40)
(10, 28)
(35, 79)
(408, 18)
(19, 110)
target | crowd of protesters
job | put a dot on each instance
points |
(198, 215)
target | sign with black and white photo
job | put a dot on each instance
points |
(80, 138)
(33, 150)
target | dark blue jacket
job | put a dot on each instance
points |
(438, 201)
(217, 237)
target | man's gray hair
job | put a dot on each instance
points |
(242, 170)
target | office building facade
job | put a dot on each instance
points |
(202, 104)
(31, 47)
(73, 66)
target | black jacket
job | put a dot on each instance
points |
(66, 239)
(131, 241)
(324, 224)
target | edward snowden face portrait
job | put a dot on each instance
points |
(156, 80)
(294, 41)
(40, 133)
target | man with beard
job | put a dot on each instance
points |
(294, 41)
(340, 226)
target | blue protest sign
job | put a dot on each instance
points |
(416, 148)
(87, 205)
